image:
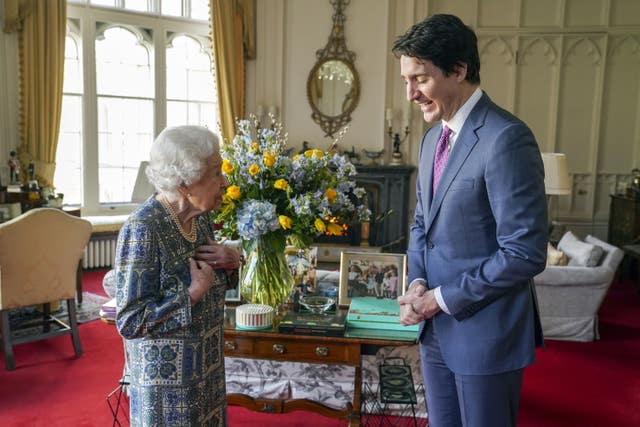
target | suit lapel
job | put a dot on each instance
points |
(430, 151)
(465, 142)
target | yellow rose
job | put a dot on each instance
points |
(281, 184)
(268, 159)
(319, 225)
(285, 222)
(254, 169)
(233, 191)
(331, 195)
(255, 146)
(316, 153)
(227, 167)
(335, 229)
(295, 156)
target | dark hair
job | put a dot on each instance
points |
(443, 40)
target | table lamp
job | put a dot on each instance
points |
(556, 182)
(556, 174)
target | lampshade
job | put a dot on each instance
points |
(556, 174)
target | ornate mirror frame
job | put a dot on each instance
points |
(335, 50)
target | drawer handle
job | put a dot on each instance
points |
(230, 345)
(278, 348)
(322, 351)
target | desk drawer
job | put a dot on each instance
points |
(293, 350)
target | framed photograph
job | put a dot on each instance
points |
(233, 295)
(374, 275)
(303, 264)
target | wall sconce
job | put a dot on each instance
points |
(259, 112)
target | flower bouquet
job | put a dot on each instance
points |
(273, 198)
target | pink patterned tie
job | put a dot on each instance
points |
(442, 154)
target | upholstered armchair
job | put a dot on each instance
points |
(39, 256)
(570, 296)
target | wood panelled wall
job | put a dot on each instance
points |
(571, 70)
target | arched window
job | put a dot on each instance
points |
(131, 69)
(190, 83)
(125, 96)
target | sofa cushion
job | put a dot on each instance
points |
(556, 257)
(581, 254)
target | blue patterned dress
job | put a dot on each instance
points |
(175, 355)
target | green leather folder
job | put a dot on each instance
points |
(374, 313)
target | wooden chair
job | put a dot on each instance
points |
(39, 255)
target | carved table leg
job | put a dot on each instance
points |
(357, 389)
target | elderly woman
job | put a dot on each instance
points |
(171, 279)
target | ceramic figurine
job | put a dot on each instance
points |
(14, 168)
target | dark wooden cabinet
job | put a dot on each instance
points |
(624, 220)
(388, 189)
(27, 199)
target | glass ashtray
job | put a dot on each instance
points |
(316, 304)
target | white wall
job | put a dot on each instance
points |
(289, 32)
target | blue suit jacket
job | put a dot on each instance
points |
(482, 238)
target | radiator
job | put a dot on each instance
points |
(99, 253)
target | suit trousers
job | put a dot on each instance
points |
(455, 400)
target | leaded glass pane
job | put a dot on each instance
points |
(110, 3)
(123, 66)
(171, 7)
(124, 139)
(200, 9)
(189, 74)
(139, 5)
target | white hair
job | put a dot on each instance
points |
(178, 156)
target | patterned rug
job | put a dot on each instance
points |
(28, 320)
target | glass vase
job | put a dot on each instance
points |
(266, 277)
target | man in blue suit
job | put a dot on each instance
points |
(479, 236)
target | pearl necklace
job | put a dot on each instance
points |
(191, 235)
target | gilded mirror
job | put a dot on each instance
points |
(333, 86)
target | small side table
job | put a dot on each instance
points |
(633, 252)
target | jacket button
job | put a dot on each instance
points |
(430, 245)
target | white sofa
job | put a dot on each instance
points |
(569, 297)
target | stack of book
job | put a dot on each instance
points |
(329, 325)
(370, 317)
(108, 311)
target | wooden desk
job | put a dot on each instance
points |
(272, 345)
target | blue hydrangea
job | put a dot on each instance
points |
(256, 218)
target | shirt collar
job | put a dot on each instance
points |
(461, 115)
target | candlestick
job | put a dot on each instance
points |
(406, 116)
(259, 112)
(396, 140)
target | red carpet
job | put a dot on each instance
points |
(571, 384)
